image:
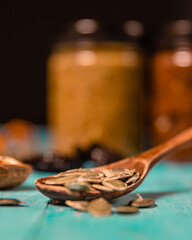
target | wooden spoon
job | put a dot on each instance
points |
(142, 163)
(12, 172)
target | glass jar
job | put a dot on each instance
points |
(172, 84)
(93, 94)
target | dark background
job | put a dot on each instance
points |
(28, 31)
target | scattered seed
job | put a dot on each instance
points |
(142, 202)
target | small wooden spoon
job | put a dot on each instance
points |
(12, 172)
(142, 163)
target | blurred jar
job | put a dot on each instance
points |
(19, 139)
(94, 89)
(172, 84)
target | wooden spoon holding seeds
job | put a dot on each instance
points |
(143, 163)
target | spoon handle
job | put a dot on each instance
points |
(155, 154)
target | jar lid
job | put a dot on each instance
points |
(130, 30)
(176, 34)
(179, 27)
(133, 29)
(86, 26)
(83, 30)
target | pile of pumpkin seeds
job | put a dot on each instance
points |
(101, 207)
(105, 180)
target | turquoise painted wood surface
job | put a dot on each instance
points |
(170, 184)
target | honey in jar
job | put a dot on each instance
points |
(94, 90)
(171, 100)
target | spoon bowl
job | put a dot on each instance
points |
(143, 163)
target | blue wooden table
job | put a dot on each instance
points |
(170, 184)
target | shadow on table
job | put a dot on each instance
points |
(124, 200)
(23, 188)
(35, 230)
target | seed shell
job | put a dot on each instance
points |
(132, 179)
(99, 207)
(115, 185)
(107, 172)
(91, 180)
(79, 205)
(78, 186)
(102, 188)
(142, 202)
(126, 209)
(61, 180)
